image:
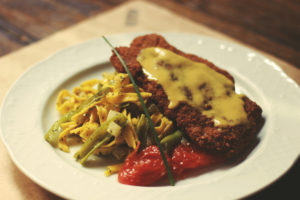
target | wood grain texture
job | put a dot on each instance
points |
(24, 22)
(272, 26)
(269, 25)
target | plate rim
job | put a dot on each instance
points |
(44, 185)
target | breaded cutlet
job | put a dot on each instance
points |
(201, 130)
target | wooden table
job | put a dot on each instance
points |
(271, 27)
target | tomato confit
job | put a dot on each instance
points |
(146, 167)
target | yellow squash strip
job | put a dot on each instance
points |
(87, 115)
(112, 169)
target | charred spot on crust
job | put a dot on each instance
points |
(187, 93)
(202, 86)
(173, 77)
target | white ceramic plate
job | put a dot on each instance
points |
(29, 110)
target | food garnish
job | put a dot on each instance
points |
(162, 114)
(107, 116)
(146, 113)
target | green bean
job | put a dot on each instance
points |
(98, 135)
(99, 144)
(53, 133)
(142, 130)
(170, 141)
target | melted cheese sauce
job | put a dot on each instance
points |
(194, 83)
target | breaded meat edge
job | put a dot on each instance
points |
(230, 140)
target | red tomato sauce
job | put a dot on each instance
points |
(146, 167)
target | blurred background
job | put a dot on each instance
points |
(269, 25)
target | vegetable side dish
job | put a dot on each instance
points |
(199, 119)
(106, 115)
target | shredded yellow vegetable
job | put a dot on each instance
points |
(85, 122)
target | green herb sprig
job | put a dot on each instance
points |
(145, 111)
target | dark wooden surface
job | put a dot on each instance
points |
(269, 25)
(24, 22)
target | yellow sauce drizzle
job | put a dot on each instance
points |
(194, 83)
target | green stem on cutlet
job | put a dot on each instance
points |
(168, 169)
